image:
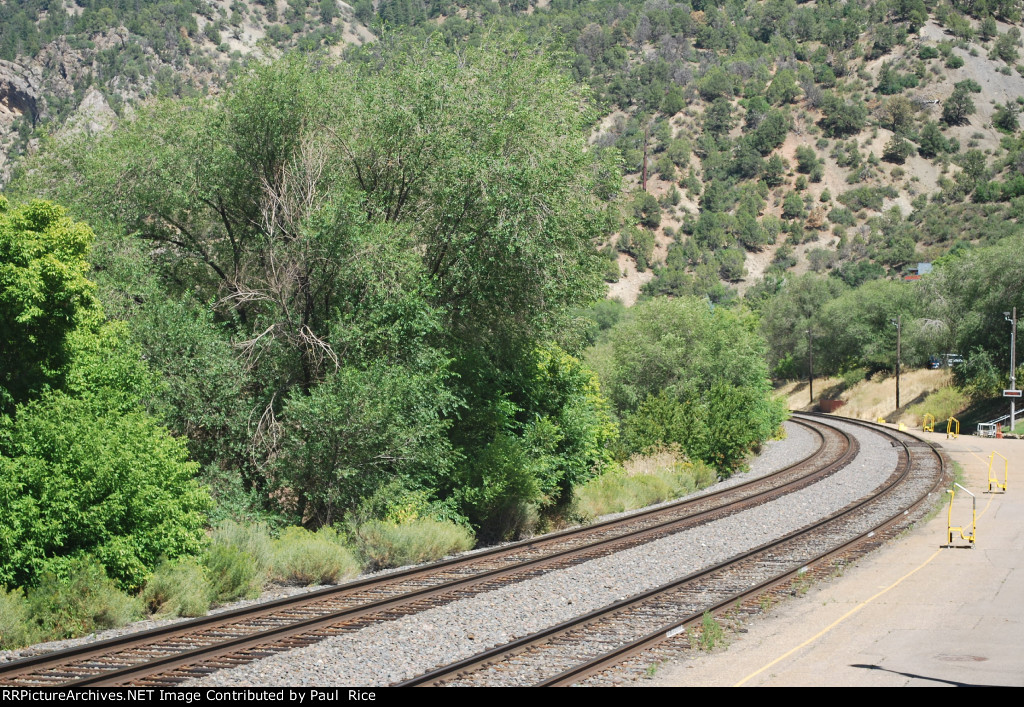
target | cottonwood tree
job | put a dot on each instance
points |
(426, 211)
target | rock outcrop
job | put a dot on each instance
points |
(20, 92)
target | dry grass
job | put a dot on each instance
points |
(16, 629)
(871, 399)
(941, 405)
(303, 557)
(382, 544)
(655, 462)
(642, 481)
(177, 589)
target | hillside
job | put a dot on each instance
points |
(363, 268)
(813, 120)
(758, 141)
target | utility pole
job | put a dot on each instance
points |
(810, 363)
(898, 321)
(1013, 363)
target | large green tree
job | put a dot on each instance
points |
(680, 371)
(414, 214)
(969, 293)
(788, 314)
(44, 296)
(859, 329)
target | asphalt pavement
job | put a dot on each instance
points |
(917, 612)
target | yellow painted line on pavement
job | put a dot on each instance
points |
(990, 496)
(857, 608)
(981, 459)
(838, 621)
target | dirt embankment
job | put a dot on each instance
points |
(869, 399)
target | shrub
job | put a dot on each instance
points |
(233, 574)
(639, 243)
(821, 259)
(897, 150)
(312, 558)
(16, 630)
(843, 217)
(806, 159)
(83, 478)
(1005, 117)
(716, 408)
(88, 600)
(644, 479)
(238, 560)
(840, 118)
(83, 468)
(792, 206)
(253, 539)
(711, 633)
(943, 404)
(958, 106)
(178, 589)
(866, 197)
(679, 152)
(382, 544)
(854, 376)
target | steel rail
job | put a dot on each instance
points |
(102, 649)
(494, 655)
(611, 659)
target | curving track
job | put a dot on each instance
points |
(172, 654)
(570, 652)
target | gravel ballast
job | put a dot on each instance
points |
(385, 653)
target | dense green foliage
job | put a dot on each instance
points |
(959, 307)
(80, 600)
(972, 289)
(44, 297)
(84, 470)
(78, 477)
(788, 316)
(681, 373)
(392, 245)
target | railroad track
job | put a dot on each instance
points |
(172, 654)
(635, 629)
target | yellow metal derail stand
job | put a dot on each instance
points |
(974, 517)
(953, 431)
(929, 426)
(993, 481)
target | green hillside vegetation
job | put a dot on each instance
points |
(364, 311)
(344, 299)
(85, 470)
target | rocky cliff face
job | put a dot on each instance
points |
(19, 92)
(66, 90)
(30, 88)
(20, 100)
(82, 82)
